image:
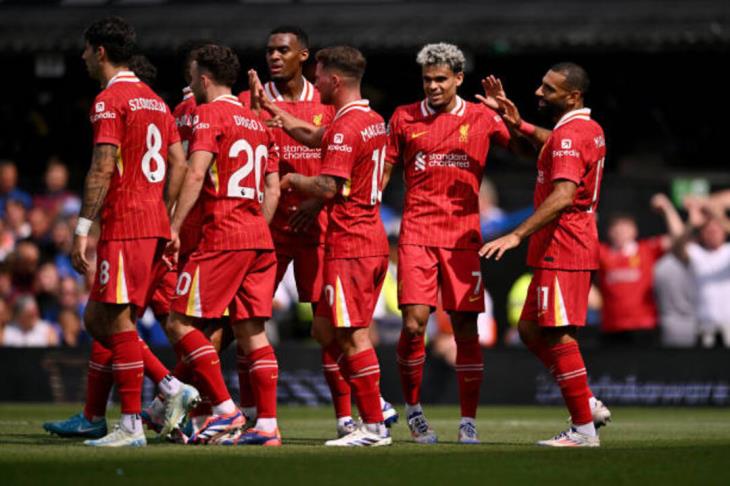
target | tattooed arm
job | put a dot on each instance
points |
(321, 186)
(95, 188)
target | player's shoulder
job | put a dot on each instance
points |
(245, 97)
(408, 112)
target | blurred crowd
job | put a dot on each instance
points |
(671, 289)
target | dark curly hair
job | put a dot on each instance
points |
(143, 68)
(220, 62)
(116, 36)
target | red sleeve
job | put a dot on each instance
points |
(499, 132)
(272, 164)
(107, 120)
(339, 150)
(566, 156)
(205, 131)
(172, 132)
(393, 152)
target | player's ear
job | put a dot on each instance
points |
(304, 55)
(100, 53)
(459, 78)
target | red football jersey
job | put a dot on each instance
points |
(128, 114)
(444, 156)
(353, 148)
(575, 151)
(244, 153)
(190, 232)
(626, 282)
(295, 157)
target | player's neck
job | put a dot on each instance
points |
(108, 71)
(578, 106)
(216, 91)
(345, 98)
(291, 89)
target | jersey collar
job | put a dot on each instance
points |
(458, 109)
(123, 77)
(187, 93)
(273, 94)
(228, 98)
(580, 114)
(359, 105)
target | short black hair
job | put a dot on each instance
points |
(143, 68)
(576, 78)
(116, 36)
(617, 216)
(345, 59)
(220, 61)
(298, 32)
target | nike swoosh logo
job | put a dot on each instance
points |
(474, 298)
(418, 134)
(213, 363)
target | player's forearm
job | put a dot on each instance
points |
(177, 168)
(321, 186)
(721, 198)
(97, 180)
(675, 226)
(680, 242)
(300, 130)
(191, 187)
(386, 174)
(560, 199)
(272, 192)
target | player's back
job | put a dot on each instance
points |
(234, 189)
(131, 116)
(353, 148)
(444, 155)
(575, 151)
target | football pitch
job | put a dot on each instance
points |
(642, 446)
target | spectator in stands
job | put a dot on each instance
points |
(4, 317)
(62, 238)
(27, 329)
(70, 312)
(71, 329)
(708, 257)
(7, 241)
(8, 187)
(46, 290)
(56, 199)
(493, 220)
(16, 219)
(40, 232)
(676, 295)
(6, 283)
(626, 277)
(24, 263)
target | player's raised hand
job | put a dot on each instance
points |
(172, 250)
(275, 122)
(492, 89)
(508, 110)
(660, 202)
(305, 214)
(497, 248)
(256, 89)
(78, 255)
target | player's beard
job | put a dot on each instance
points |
(551, 111)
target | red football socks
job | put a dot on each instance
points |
(153, 367)
(248, 400)
(339, 388)
(570, 374)
(199, 354)
(469, 373)
(363, 374)
(264, 375)
(128, 370)
(99, 381)
(411, 357)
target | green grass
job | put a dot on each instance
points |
(648, 446)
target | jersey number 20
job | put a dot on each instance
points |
(254, 161)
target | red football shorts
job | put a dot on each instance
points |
(351, 290)
(557, 297)
(162, 290)
(124, 270)
(423, 269)
(308, 263)
(241, 281)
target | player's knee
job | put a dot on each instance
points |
(415, 319)
(464, 324)
(322, 331)
(528, 331)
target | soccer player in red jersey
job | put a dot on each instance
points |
(626, 276)
(442, 142)
(563, 248)
(356, 248)
(234, 266)
(299, 224)
(133, 130)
